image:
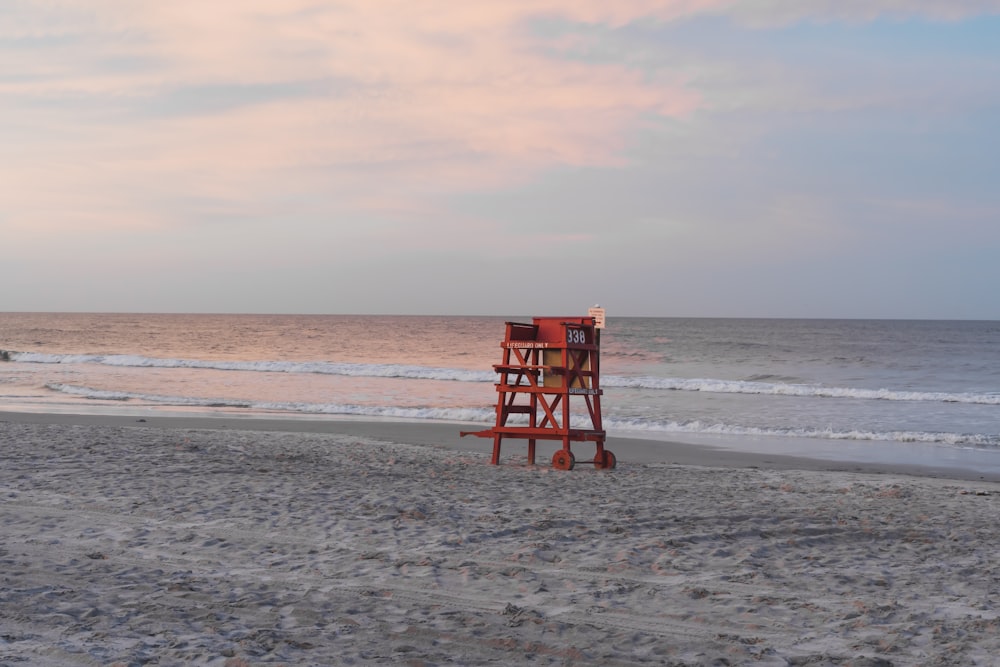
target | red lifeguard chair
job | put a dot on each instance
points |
(545, 365)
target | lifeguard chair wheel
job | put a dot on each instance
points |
(563, 460)
(606, 462)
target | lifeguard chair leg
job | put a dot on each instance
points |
(531, 452)
(496, 449)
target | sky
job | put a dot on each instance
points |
(695, 158)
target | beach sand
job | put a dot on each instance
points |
(239, 542)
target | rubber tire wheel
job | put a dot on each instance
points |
(563, 460)
(607, 462)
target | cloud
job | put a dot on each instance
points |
(186, 99)
(783, 12)
(153, 114)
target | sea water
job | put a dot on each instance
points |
(817, 385)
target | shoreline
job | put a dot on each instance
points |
(969, 465)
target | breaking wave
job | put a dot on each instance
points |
(801, 390)
(413, 372)
(320, 367)
(487, 415)
(448, 414)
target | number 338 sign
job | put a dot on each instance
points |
(576, 336)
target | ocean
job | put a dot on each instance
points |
(797, 386)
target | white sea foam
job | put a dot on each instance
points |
(412, 372)
(397, 412)
(702, 428)
(405, 371)
(802, 390)
(486, 415)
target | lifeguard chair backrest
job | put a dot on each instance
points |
(553, 330)
(564, 333)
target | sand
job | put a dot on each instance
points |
(253, 542)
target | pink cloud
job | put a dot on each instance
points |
(411, 99)
(431, 96)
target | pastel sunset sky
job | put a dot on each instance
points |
(741, 158)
